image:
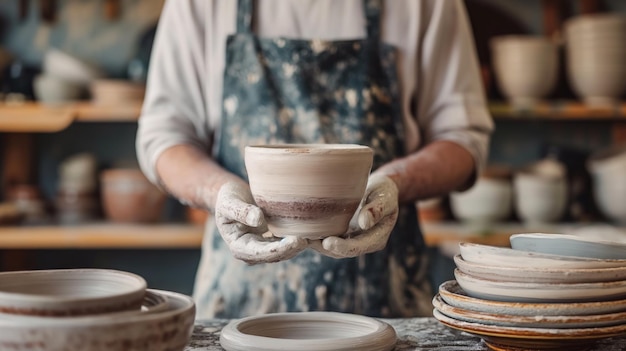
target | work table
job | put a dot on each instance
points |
(413, 334)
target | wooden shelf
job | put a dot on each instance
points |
(87, 112)
(559, 110)
(103, 236)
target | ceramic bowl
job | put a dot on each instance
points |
(524, 274)
(129, 197)
(167, 330)
(608, 170)
(526, 67)
(54, 90)
(539, 198)
(489, 200)
(63, 65)
(319, 331)
(115, 91)
(454, 295)
(70, 292)
(310, 191)
(568, 245)
(539, 321)
(491, 289)
(507, 257)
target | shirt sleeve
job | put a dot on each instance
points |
(174, 110)
(451, 102)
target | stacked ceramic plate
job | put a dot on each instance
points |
(549, 291)
(596, 55)
(90, 310)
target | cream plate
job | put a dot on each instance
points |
(569, 245)
(539, 321)
(507, 257)
(540, 292)
(514, 338)
(453, 295)
(524, 274)
(308, 331)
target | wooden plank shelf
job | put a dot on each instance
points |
(559, 110)
(103, 236)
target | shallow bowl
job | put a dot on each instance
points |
(310, 191)
(569, 245)
(70, 292)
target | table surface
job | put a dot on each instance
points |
(413, 334)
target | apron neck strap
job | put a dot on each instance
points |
(371, 8)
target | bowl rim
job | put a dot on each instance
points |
(299, 149)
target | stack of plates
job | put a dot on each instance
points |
(547, 292)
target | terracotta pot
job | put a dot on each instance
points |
(311, 191)
(127, 196)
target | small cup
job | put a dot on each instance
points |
(308, 190)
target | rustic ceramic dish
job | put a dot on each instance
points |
(518, 339)
(568, 245)
(454, 295)
(507, 257)
(523, 274)
(539, 321)
(70, 292)
(310, 191)
(166, 330)
(539, 292)
(311, 331)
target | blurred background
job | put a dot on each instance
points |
(72, 78)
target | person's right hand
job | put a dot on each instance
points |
(242, 226)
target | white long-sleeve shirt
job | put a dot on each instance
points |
(442, 96)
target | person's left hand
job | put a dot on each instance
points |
(371, 225)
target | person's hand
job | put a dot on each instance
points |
(242, 226)
(371, 225)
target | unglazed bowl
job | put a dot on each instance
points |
(311, 191)
(70, 292)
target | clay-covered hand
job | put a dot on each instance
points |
(371, 225)
(242, 226)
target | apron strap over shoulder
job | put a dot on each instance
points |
(245, 10)
(372, 10)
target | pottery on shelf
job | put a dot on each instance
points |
(608, 170)
(310, 191)
(489, 200)
(540, 194)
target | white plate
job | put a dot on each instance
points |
(515, 338)
(538, 321)
(568, 245)
(539, 292)
(524, 274)
(507, 257)
(308, 331)
(453, 295)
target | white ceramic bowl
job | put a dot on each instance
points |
(539, 198)
(310, 191)
(523, 274)
(167, 330)
(489, 200)
(507, 257)
(526, 67)
(54, 90)
(539, 292)
(114, 91)
(453, 295)
(608, 169)
(568, 245)
(320, 331)
(70, 292)
(68, 67)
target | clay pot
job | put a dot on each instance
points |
(128, 196)
(311, 191)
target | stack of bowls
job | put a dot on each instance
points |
(595, 57)
(91, 310)
(547, 292)
(541, 192)
(608, 169)
(526, 67)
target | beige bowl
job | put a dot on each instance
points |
(162, 330)
(310, 191)
(70, 292)
(116, 91)
(128, 197)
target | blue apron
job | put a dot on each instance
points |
(283, 90)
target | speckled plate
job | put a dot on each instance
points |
(538, 321)
(517, 339)
(539, 292)
(308, 331)
(454, 295)
(524, 274)
(569, 245)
